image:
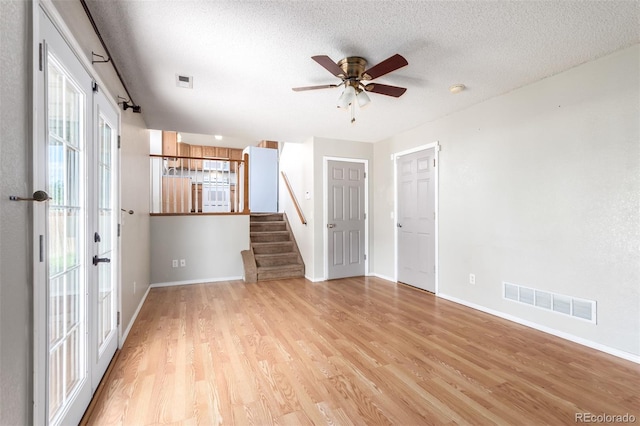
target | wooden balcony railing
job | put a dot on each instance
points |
(195, 185)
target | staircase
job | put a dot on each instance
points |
(274, 253)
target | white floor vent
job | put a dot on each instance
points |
(559, 303)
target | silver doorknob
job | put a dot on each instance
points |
(399, 225)
(37, 196)
(331, 225)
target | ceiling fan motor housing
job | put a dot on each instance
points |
(354, 67)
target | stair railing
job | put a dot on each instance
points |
(296, 204)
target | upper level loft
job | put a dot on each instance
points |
(189, 178)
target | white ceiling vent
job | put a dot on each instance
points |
(184, 81)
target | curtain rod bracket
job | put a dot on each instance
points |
(103, 61)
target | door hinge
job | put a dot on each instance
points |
(94, 86)
(41, 248)
(118, 318)
(118, 230)
(365, 175)
(434, 162)
(118, 141)
(40, 54)
(365, 215)
(365, 257)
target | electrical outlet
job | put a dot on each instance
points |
(472, 278)
(174, 263)
(183, 263)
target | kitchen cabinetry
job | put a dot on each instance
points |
(169, 143)
(196, 151)
(222, 152)
(184, 150)
(235, 154)
(209, 151)
(176, 194)
(268, 144)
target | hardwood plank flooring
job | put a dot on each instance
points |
(348, 352)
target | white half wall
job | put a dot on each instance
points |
(539, 187)
(209, 244)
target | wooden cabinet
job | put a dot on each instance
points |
(196, 151)
(268, 144)
(184, 150)
(208, 151)
(235, 154)
(169, 143)
(222, 152)
(176, 194)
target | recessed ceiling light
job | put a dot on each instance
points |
(457, 88)
(218, 137)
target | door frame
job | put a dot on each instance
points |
(325, 211)
(436, 148)
(39, 227)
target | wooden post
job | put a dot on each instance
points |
(246, 183)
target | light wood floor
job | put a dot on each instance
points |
(353, 351)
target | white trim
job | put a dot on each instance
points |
(314, 280)
(67, 35)
(198, 281)
(575, 339)
(124, 335)
(325, 213)
(394, 157)
(384, 277)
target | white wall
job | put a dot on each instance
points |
(539, 187)
(210, 244)
(296, 161)
(16, 286)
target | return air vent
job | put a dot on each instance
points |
(184, 81)
(559, 303)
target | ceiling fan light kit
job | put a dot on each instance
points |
(353, 71)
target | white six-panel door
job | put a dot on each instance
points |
(416, 219)
(345, 219)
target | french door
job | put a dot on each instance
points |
(75, 292)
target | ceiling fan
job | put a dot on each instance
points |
(353, 72)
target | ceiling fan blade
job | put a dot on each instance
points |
(329, 65)
(324, 86)
(385, 67)
(384, 89)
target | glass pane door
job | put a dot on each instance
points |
(106, 282)
(66, 276)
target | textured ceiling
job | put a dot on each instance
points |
(245, 56)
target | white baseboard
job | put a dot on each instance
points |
(567, 336)
(124, 336)
(199, 281)
(384, 277)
